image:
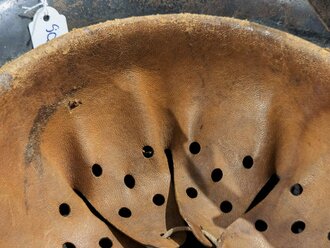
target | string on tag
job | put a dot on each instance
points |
(47, 23)
(43, 3)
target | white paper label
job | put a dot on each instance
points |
(47, 26)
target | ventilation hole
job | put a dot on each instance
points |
(125, 212)
(192, 192)
(265, 190)
(97, 170)
(46, 18)
(105, 243)
(261, 225)
(296, 189)
(129, 181)
(158, 199)
(298, 227)
(226, 206)
(248, 162)
(64, 209)
(216, 175)
(329, 236)
(148, 151)
(194, 148)
(73, 104)
(68, 245)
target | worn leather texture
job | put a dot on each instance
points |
(120, 134)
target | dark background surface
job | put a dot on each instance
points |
(308, 20)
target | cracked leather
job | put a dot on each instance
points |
(210, 91)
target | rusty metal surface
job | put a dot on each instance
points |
(296, 17)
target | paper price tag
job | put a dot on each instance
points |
(47, 26)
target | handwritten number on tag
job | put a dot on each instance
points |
(52, 33)
(47, 26)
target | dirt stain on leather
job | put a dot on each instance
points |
(32, 155)
(6, 80)
(32, 151)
